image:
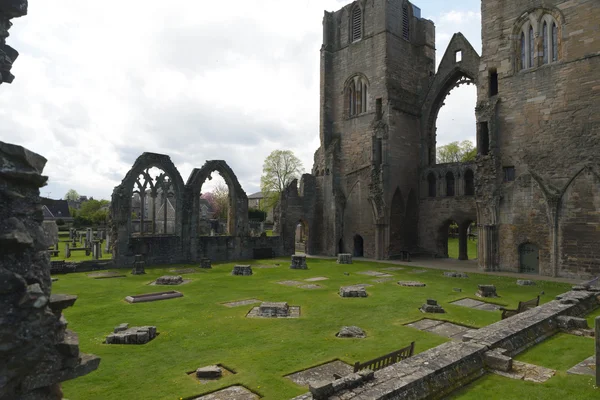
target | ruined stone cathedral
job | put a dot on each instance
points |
(533, 190)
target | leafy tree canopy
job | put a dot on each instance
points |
(280, 168)
(456, 152)
(72, 195)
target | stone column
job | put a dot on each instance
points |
(597, 351)
(487, 247)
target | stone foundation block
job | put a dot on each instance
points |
(210, 372)
(170, 280)
(344, 258)
(486, 291)
(353, 291)
(298, 262)
(274, 309)
(567, 322)
(321, 390)
(205, 263)
(496, 360)
(242, 270)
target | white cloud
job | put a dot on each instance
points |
(98, 83)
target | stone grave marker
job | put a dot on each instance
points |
(205, 263)
(353, 291)
(139, 265)
(122, 334)
(344, 258)
(486, 291)
(298, 262)
(242, 270)
(169, 280)
(431, 306)
(351, 332)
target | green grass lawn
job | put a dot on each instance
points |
(196, 330)
(78, 255)
(453, 248)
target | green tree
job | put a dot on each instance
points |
(72, 195)
(220, 197)
(280, 168)
(92, 212)
(456, 152)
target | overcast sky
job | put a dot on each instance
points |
(99, 83)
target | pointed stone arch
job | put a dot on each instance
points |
(237, 220)
(451, 73)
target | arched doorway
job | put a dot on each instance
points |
(529, 258)
(301, 237)
(358, 246)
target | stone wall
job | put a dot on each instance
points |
(38, 351)
(544, 122)
(185, 243)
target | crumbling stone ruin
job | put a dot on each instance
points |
(38, 351)
(159, 217)
(8, 9)
(123, 334)
(169, 280)
(376, 188)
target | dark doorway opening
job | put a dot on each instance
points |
(358, 246)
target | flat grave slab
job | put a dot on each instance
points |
(106, 274)
(290, 283)
(316, 279)
(310, 286)
(476, 304)
(142, 298)
(294, 312)
(442, 328)
(586, 367)
(231, 393)
(353, 291)
(392, 269)
(241, 302)
(183, 271)
(527, 372)
(382, 280)
(169, 282)
(224, 371)
(373, 273)
(411, 284)
(324, 372)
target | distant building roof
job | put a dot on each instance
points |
(257, 195)
(55, 208)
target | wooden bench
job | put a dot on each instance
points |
(523, 306)
(53, 253)
(387, 360)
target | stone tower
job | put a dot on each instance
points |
(538, 190)
(377, 60)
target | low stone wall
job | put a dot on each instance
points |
(428, 375)
(437, 372)
(230, 248)
(528, 328)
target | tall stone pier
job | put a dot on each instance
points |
(37, 350)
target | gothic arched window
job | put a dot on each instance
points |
(356, 96)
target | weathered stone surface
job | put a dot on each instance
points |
(353, 291)
(243, 270)
(321, 389)
(209, 372)
(525, 282)
(133, 335)
(527, 372)
(476, 304)
(169, 280)
(36, 349)
(230, 393)
(121, 327)
(241, 303)
(298, 262)
(567, 322)
(497, 360)
(139, 265)
(274, 309)
(351, 332)
(205, 263)
(456, 274)
(486, 291)
(344, 258)
(586, 367)
(411, 284)
(325, 372)
(432, 307)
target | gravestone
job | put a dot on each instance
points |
(88, 235)
(67, 251)
(274, 309)
(456, 275)
(243, 270)
(139, 265)
(170, 280)
(71, 233)
(134, 335)
(205, 263)
(486, 291)
(298, 262)
(432, 307)
(344, 258)
(353, 291)
(210, 372)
